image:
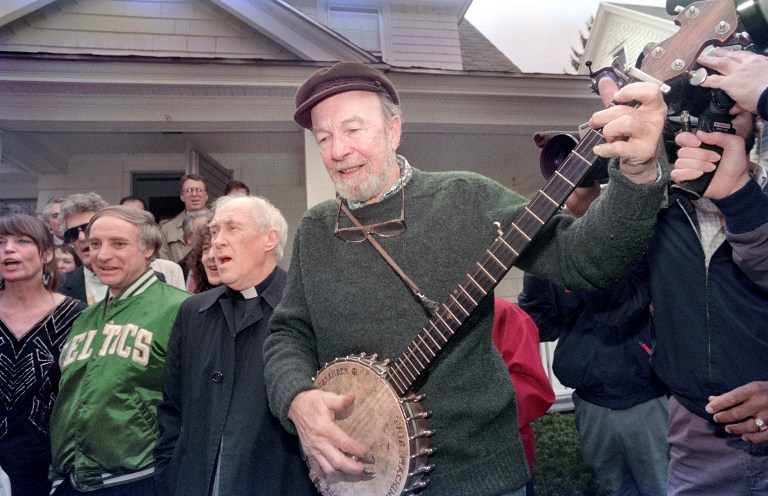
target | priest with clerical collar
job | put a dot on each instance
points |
(217, 435)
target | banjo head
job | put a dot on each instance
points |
(393, 428)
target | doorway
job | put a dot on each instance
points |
(160, 192)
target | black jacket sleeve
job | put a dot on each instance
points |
(169, 411)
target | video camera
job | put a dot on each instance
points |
(690, 106)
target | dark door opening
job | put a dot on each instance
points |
(160, 192)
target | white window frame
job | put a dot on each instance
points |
(362, 7)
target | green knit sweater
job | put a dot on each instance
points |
(343, 298)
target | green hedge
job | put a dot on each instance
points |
(559, 470)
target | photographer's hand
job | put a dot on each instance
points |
(740, 408)
(743, 75)
(692, 161)
(633, 133)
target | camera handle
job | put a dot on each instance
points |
(716, 118)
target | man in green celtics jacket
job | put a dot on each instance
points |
(103, 426)
(343, 298)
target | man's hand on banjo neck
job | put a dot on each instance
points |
(632, 133)
(313, 413)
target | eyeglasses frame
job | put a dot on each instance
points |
(371, 228)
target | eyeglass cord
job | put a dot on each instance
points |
(431, 306)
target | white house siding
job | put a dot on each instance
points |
(107, 175)
(616, 27)
(189, 28)
(423, 36)
(413, 35)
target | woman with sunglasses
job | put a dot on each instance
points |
(34, 322)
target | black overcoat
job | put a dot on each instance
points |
(214, 399)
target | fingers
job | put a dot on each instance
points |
(607, 88)
(724, 61)
(689, 170)
(756, 438)
(742, 75)
(647, 94)
(744, 409)
(749, 429)
(335, 459)
(714, 81)
(650, 111)
(313, 413)
(736, 404)
(694, 160)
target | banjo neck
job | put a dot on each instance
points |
(497, 260)
(388, 416)
(701, 23)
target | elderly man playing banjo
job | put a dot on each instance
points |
(442, 416)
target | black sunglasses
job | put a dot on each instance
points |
(73, 233)
(382, 229)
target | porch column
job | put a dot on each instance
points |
(319, 185)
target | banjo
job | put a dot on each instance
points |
(387, 416)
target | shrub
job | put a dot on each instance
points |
(559, 470)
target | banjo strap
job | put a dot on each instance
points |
(430, 305)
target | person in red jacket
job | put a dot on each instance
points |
(517, 339)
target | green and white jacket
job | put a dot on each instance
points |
(104, 423)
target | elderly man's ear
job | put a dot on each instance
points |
(273, 237)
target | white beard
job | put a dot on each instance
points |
(368, 187)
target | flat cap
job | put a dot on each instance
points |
(340, 77)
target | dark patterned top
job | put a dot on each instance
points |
(29, 382)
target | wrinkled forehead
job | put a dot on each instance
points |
(232, 213)
(347, 107)
(113, 227)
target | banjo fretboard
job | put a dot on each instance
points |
(497, 260)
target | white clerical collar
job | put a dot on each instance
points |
(249, 293)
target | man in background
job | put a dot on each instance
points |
(51, 218)
(603, 348)
(237, 188)
(709, 285)
(133, 201)
(76, 212)
(173, 273)
(194, 193)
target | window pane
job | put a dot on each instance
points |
(359, 26)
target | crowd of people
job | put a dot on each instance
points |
(140, 360)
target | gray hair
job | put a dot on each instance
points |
(80, 203)
(391, 109)
(188, 224)
(46, 213)
(149, 234)
(266, 216)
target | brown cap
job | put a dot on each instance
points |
(340, 77)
